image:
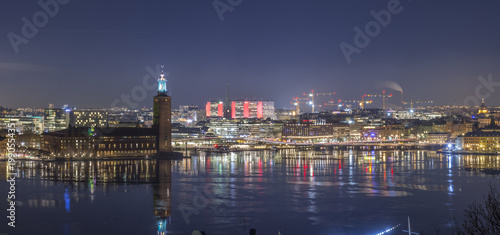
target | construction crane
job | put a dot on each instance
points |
(312, 94)
(361, 102)
(332, 102)
(297, 104)
(417, 102)
(384, 97)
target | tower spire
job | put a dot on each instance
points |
(227, 90)
(162, 116)
(162, 83)
(227, 102)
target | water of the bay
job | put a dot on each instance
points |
(283, 192)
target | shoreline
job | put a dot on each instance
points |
(170, 156)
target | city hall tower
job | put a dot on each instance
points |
(162, 116)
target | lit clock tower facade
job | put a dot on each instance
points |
(162, 116)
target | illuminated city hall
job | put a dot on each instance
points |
(100, 141)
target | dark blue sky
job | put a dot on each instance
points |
(91, 52)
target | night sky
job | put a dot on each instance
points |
(91, 52)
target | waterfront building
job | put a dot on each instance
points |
(100, 142)
(421, 129)
(88, 137)
(88, 118)
(28, 141)
(484, 139)
(355, 131)
(437, 138)
(479, 141)
(384, 132)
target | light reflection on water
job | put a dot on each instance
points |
(307, 192)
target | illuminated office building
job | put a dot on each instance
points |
(56, 119)
(88, 118)
(188, 115)
(23, 123)
(214, 109)
(259, 109)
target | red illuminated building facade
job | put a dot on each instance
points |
(215, 109)
(260, 109)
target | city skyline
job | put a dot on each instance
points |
(237, 116)
(295, 48)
